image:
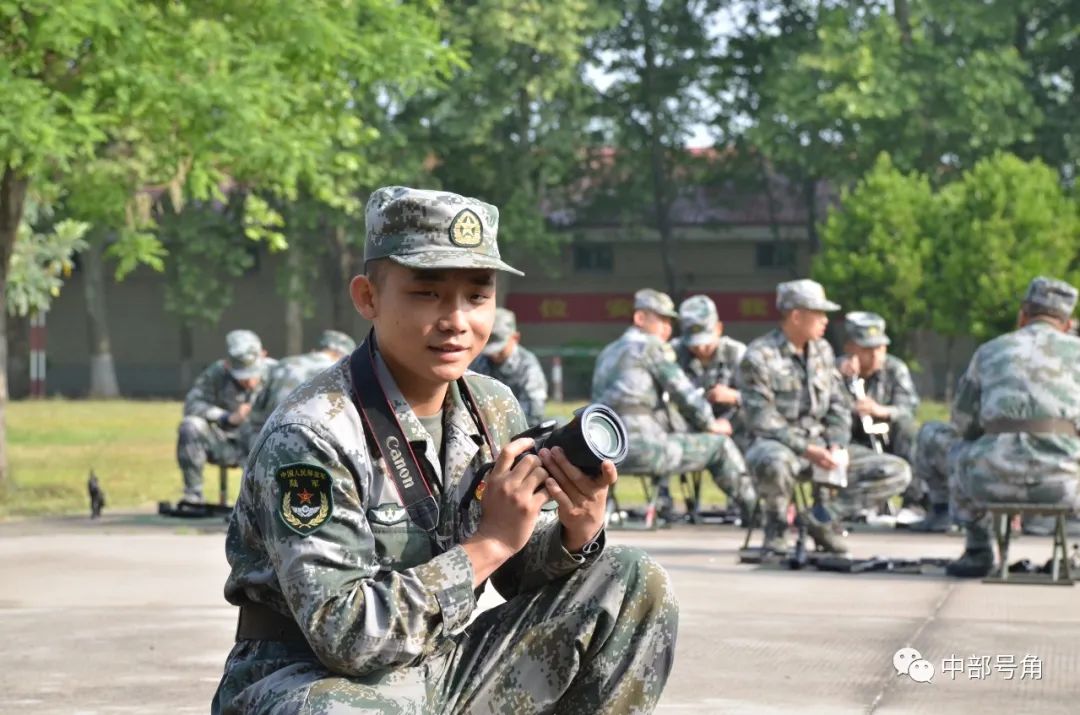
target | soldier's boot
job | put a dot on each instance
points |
(665, 505)
(825, 534)
(776, 528)
(937, 521)
(977, 561)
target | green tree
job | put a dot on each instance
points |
(1005, 222)
(113, 100)
(41, 259)
(658, 62)
(875, 249)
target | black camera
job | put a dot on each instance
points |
(594, 434)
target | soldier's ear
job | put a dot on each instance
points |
(362, 292)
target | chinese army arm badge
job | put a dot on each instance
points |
(306, 497)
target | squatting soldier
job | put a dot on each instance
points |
(798, 415)
(216, 410)
(363, 533)
(507, 361)
(291, 372)
(888, 396)
(1016, 413)
(635, 375)
(707, 356)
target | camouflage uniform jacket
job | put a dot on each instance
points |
(633, 374)
(522, 373)
(283, 378)
(216, 394)
(1028, 374)
(721, 368)
(892, 388)
(787, 401)
(366, 587)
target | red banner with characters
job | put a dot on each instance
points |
(750, 307)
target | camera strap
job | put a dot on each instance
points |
(390, 442)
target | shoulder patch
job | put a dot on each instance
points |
(306, 497)
(668, 352)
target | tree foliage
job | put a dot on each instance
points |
(42, 259)
(876, 248)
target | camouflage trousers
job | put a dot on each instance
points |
(903, 433)
(657, 451)
(1014, 467)
(601, 640)
(872, 478)
(936, 449)
(199, 442)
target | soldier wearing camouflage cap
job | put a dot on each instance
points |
(708, 356)
(293, 371)
(1013, 430)
(882, 393)
(350, 601)
(798, 416)
(217, 409)
(506, 360)
(635, 375)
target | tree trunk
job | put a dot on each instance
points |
(187, 356)
(902, 12)
(102, 371)
(657, 161)
(340, 273)
(12, 201)
(810, 195)
(294, 309)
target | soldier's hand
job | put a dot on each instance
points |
(849, 366)
(513, 495)
(868, 406)
(582, 499)
(723, 395)
(821, 456)
(720, 426)
(240, 414)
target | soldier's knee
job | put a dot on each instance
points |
(648, 585)
(192, 428)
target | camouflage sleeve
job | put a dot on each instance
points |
(660, 358)
(735, 351)
(200, 398)
(759, 404)
(838, 418)
(357, 617)
(966, 404)
(534, 392)
(905, 398)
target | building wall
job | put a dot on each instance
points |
(564, 308)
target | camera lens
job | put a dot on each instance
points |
(602, 434)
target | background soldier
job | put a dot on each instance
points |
(1016, 413)
(636, 375)
(291, 372)
(798, 415)
(217, 408)
(888, 396)
(707, 356)
(511, 364)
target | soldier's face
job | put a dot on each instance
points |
(810, 323)
(870, 359)
(704, 352)
(653, 324)
(430, 323)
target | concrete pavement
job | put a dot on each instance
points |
(126, 616)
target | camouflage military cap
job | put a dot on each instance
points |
(805, 293)
(698, 320)
(336, 340)
(505, 326)
(655, 301)
(867, 330)
(1051, 294)
(432, 229)
(245, 353)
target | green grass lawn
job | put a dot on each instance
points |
(131, 445)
